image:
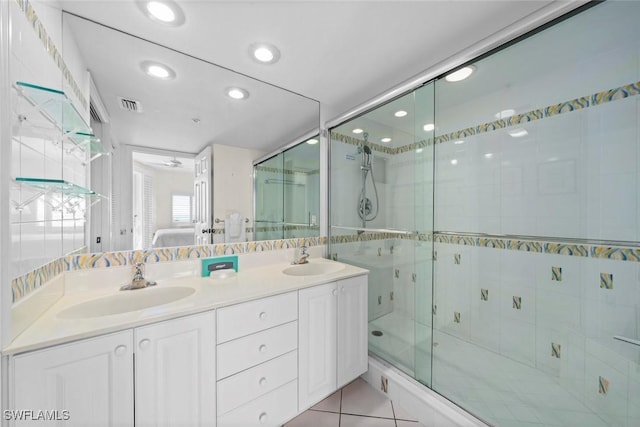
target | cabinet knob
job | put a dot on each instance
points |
(262, 315)
(334, 292)
(144, 344)
(120, 350)
(262, 382)
(262, 348)
(263, 417)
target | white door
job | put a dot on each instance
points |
(352, 328)
(91, 379)
(202, 189)
(175, 372)
(317, 344)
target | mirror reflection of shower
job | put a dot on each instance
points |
(367, 207)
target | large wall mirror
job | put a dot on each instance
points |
(183, 151)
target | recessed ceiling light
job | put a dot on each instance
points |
(158, 70)
(165, 12)
(458, 142)
(385, 140)
(504, 113)
(312, 141)
(237, 93)
(488, 155)
(518, 133)
(428, 127)
(454, 161)
(357, 130)
(460, 74)
(400, 113)
(264, 53)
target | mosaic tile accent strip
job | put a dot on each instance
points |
(456, 316)
(456, 258)
(50, 47)
(556, 274)
(610, 95)
(555, 350)
(619, 254)
(23, 285)
(566, 249)
(606, 281)
(484, 294)
(603, 385)
(27, 283)
(517, 303)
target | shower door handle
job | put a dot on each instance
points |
(627, 340)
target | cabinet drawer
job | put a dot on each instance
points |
(253, 316)
(245, 352)
(245, 386)
(272, 409)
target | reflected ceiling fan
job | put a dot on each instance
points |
(170, 163)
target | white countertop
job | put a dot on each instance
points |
(209, 294)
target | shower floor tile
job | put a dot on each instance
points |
(356, 405)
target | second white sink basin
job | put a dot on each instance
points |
(312, 269)
(125, 302)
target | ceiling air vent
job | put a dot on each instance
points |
(130, 105)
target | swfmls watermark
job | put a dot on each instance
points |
(36, 415)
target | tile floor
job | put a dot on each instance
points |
(356, 405)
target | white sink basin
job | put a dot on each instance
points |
(312, 269)
(125, 302)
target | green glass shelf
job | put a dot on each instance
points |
(56, 106)
(65, 187)
(46, 186)
(58, 109)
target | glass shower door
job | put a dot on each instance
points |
(424, 125)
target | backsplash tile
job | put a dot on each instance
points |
(25, 284)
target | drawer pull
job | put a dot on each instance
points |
(263, 417)
(144, 344)
(262, 382)
(263, 315)
(262, 348)
(120, 350)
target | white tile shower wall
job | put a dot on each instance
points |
(574, 312)
(39, 233)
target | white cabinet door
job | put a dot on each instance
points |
(352, 328)
(91, 379)
(175, 372)
(317, 343)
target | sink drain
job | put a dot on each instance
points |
(376, 333)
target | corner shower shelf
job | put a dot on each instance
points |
(71, 193)
(58, 110)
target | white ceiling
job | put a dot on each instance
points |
(340, 53)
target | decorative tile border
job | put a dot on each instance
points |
(610, 95)
(23, 285)
(525, 245)
(50, 47)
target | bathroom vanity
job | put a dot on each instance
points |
(254, 349)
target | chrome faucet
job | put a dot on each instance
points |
(301, 256)
(138, 281)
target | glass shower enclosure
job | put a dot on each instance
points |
(498, 216)
(382, 219)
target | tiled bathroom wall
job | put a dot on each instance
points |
(40, 231)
